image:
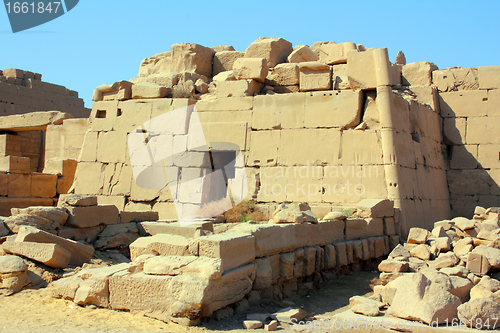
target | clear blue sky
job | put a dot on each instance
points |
(100, 42)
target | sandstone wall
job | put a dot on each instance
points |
(22, 92)
(468, 104)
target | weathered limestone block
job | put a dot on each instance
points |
(453, 79)
(138, 216)
(19, 185)
(12, 264)
(418, 236)
(91, 216)
(417, 298)
(340, 109)
(284, 75)
(80, 253)
(171, 265)
(51, 255)
(478, 313)
(14, 223)
(224, 60)
(330, 256)
(489, 77)
(360, 228)
(302, 53)
(149, 90)
(232, 248)
(56, 214)
(315, 76)
(275, 50)
(389, 226)
(341, 254)
(174, 228)
(492, 254)
(159, 63)
(361, 71)
(88, 235)
(418, 73)
(463, 103)
(120, 91)
(332, 53)
(250, 69)
(81, 200)
(240, 88)
(477, 263)
(15, 164)
(117, 235)
(444, 260)
(33, 121)
(43, 186)
(263, 274)
(375, 208)
(190, 57)
(393, 266)
(161, 244)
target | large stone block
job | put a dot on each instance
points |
(375, 208)
(56, 214)
(149, 90)
(493, 108)
(284, 75)
(80, 253)
(315, 76)
(489, 156)
(6, 204)
(332, 53)
(51, 255)
(480, 130)
(190, 57)
(233, 249)
(264, 147)
(418, 73)
(275, 50)
(240, 88)
(160, 244)
(489, 77)
(91, 216)
(471, 103)
(302, 53)
(361, 147)
(174, 228)
(309, 146)
(340, 109)
(360, 228)
(4, 185)
(15, 164)
(112, 147)
(43, 185)
(251, 69)
(19, 185)
(282, 111)
(457, 78)
(454, 130)
(224, 60)
(361, 70)
(465, 157)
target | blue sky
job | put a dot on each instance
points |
(100, 42)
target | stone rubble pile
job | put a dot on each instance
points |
(186, 273)
(445, 275)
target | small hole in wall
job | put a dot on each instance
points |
(100, 114)
(119, 112)
(395, 184)
(485, 99)
(445, 77)
(499, 155)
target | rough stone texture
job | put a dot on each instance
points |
(275, 50)
(51, 255)
(302, 53)
(138, 216)
(492, 254)
(77, 200)
(117, 235)
(288, 314)
(33, 121)
(224, 60)
(417, 298)
(80, 253)
(477, 311)
(250, 69)
(418, 236)
(14, 223)
(418, 73)
(161, 244)
(391, 266)
(174, 228)
(91, 216)
(190, 57)
(12, 264)
(56, 214)
(366, 309)
(375, 208)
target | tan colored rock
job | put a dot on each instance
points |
(375, 208)
(332, 53)
(461, 287)
(118, 91)
(477, 312)
(12, 264)
(288, 314)
(439, 231)
(334, 216)
(399, 252)
(489, 77)
(366, 310)
(284, 75)
(492, 254)
(272, 326)
(224, 60)
(444, 260)
(138, 216)
(445, 224)
(171, 265)
(418, 73)
(191, 57)
(459, 271)
(91, 216)
(161, 244)
(363, 228)
(175, 228)
(51, 255)
(233, 249)
(15, 223)
(33, 121)
(82, 200)
(56, 214)
(149, 90)
(463, 246)
(252, 324)
(443, 244)
(477, 263)
(421, 251)
(275, 50)
(289, 213)
(80, 253)
(302, 53)
(356, 300)
(240, 88)
(463, 223)
(159, 63)
(418, 236)
(117, 235)
(250, 69)
(417, 298)
(315, 76)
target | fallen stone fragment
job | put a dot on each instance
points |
(417, 236)
(366, 309)
(272, 326)
(399, 251)
(492, 254)
(480, 312)
(14, 223)
(444, 260)
(445, 224)
(57, 214)
(417, 298)
(80, 253)
(12, 264)
(463, 247)
(334, 216)
(83, 200)
(375, 208)
(477, 263)
(463, 223)
(443, 244)
(421, 251)
(3, 229)
(459, 271)
(391, 266)
(117, 235)
(286, 315)
(170, 265)
(51, 255)
(355, 300)
(252, 324)
(461, 287)
(439, 231)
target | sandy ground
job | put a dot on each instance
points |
(35, 311)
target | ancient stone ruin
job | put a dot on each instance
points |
(221, 177)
